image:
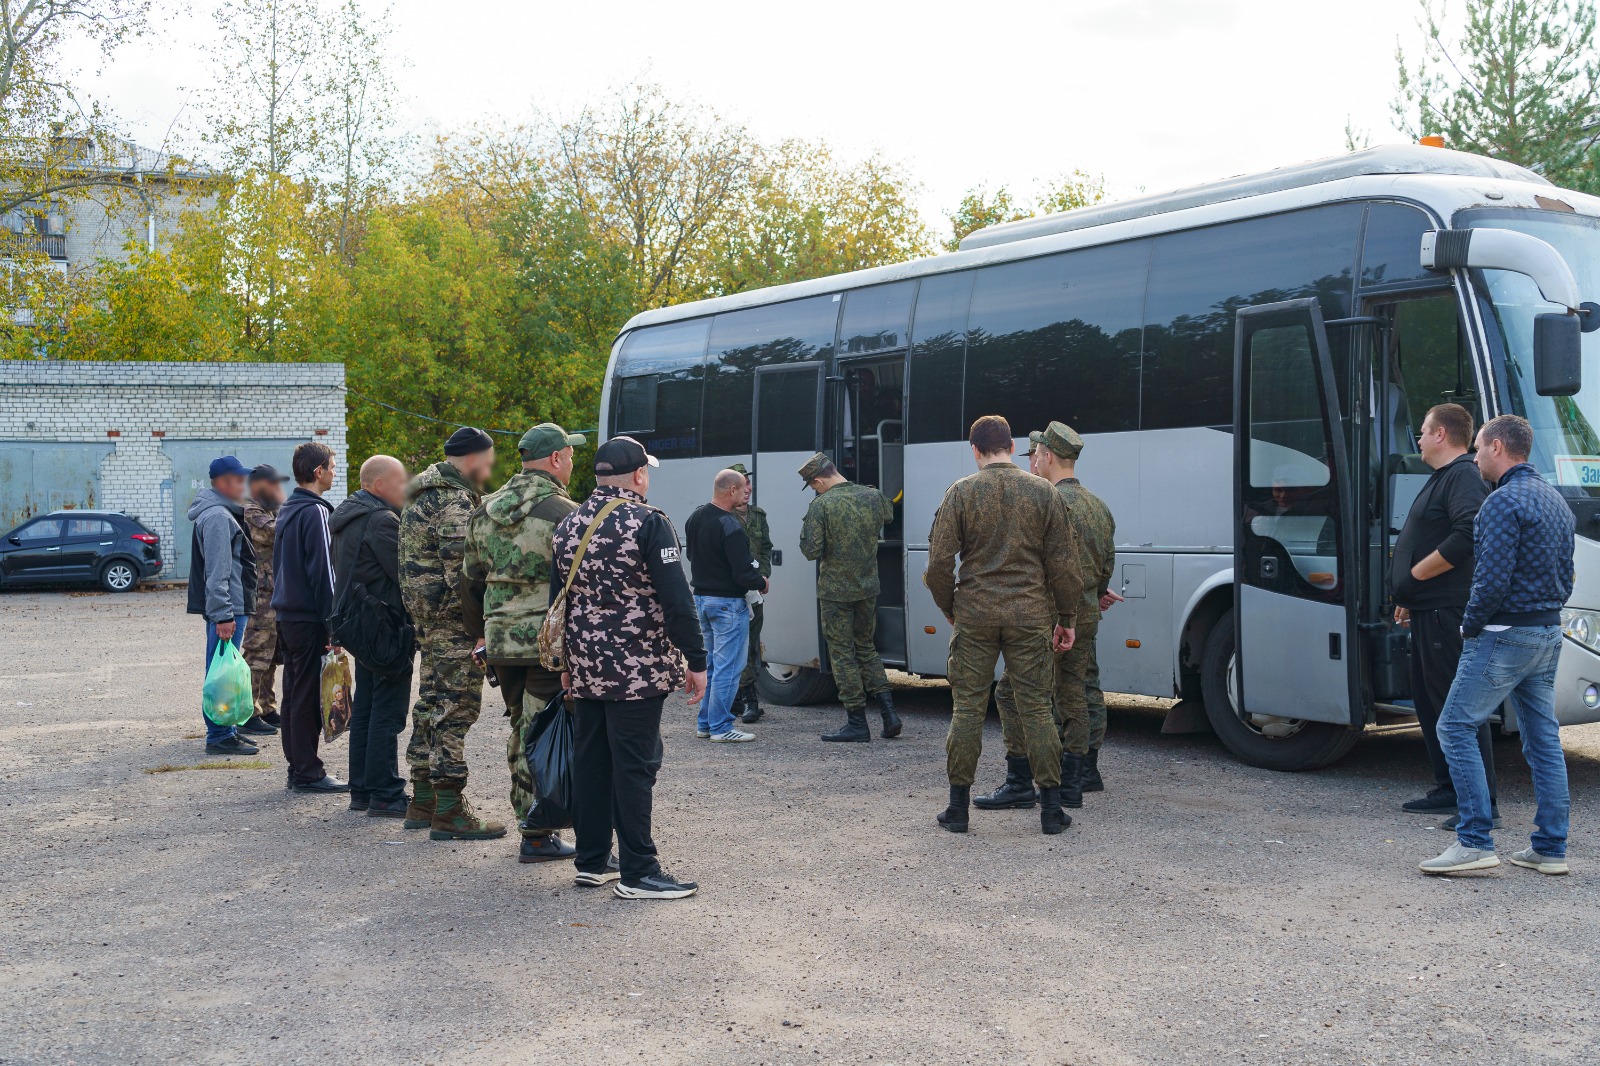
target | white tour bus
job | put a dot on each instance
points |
(1315, 311)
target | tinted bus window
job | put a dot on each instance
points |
(1391, 251)
(876, 319)
(938, 353)
(792, 332)
(1198, 281)
(659, 376)
(1058, 338)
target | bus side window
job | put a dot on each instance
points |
(636, 404)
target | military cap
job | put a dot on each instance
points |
(1035, 439)
(1061, 439)
(266, 472)
(546, 439)
(468, 441)
(738, 468)
(622, 455)
(813, 466)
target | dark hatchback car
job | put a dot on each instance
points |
(110, 548)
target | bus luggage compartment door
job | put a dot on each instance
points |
(1294, 582)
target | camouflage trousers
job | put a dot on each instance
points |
(848, 627)
(526, 690)
(1029, 659)
(260, 650)
(449, 699)
(1078, 706)
(752, 659)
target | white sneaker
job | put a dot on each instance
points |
(1533, 860)
(1458, 858)
(733, 736)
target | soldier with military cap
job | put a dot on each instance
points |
(1017, 595)
(840, 532)
(1079, 705)
(759, 532)
(433, 535)
(505, 594)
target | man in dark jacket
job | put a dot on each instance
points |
(302, 598)
(721, 572)
(630, 627)
(222, 578)
(1431, 578)
(366, 553)
(1521, 579)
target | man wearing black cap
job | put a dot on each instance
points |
(260, 646)
(222, 575)
(505, 595)
(433, 539)
(630, 625)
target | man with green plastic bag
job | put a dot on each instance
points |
(222, 578)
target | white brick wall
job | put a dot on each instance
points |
(82, 401)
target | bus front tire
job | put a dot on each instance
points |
(794, 686)
(1310, 746)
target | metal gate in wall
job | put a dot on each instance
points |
(37, 477)
(191, 460)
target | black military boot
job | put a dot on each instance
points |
(1071, 780)
(1016, 793)
(1091, 772)
(751, 704)
(954, 817)
(891, 720)
(1052, 819)
(854, 729)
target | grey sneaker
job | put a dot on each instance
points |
(1458, 858)
(732, 736)
(1533, 860)
(703, 734)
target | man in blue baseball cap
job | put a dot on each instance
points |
(222, 577)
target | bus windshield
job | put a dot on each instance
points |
(1566, 429)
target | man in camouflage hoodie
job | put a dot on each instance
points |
(260, 647)
(506, 594)
(433, 536)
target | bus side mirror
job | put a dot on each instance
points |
(1557, 354)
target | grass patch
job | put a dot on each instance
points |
(221, 764)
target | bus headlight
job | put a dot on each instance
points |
(1582, 626)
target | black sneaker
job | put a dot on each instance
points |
(1438, 800)
(589, 879)
(258, 727)
(274, 719)
(234, 745)
(359, 803)
(545, 849)
(1453, 822)
(388, 808)
(659, 885)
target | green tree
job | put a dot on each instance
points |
(979, 207)
(1512, 79)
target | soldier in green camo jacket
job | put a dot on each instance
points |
(759, 532)
(433, 534)
(505, 594)
(840, 531)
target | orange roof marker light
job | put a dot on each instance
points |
(1432, 140)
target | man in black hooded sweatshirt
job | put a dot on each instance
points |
(302, 599)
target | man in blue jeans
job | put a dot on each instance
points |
(1523, 540)
(222, 578)
(721, 572)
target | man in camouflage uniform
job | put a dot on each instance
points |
(260, 647)
(506, 594)
(840, 531)
(759, 532)
(1016, 596)
(1079, 706)
(433, 534)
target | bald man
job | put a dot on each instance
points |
(366, 565)
(722, 573)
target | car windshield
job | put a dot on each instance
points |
(1566, 429)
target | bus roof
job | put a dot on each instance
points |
(1338, 177)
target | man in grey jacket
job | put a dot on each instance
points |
(222, 577)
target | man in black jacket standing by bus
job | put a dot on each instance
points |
(1431, 579)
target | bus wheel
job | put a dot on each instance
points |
(1267, 741)
(794, 686)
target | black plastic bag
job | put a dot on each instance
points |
(549, 751)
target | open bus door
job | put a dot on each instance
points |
(1296, 566)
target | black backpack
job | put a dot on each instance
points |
(381, 638)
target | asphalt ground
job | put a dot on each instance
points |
(1198, 911)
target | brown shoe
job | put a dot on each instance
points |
(419, 815)
(454, 818)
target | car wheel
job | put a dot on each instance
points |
(118, 576)
(793, 686)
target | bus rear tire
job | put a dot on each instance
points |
(1310, 745)
(794, 686)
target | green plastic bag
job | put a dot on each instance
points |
(226, 698)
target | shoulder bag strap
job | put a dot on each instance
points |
(583, 542)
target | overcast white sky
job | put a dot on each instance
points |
(1151, 93)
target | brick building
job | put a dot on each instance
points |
(138, 437)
